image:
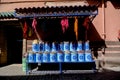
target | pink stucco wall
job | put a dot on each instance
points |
(112, 22)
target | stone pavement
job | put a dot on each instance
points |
(14, 72)
(11, 70)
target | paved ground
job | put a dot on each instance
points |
(108, 75)
(14, 72)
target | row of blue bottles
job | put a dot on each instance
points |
(68, 50)
(60, 57)
(86, 55)
(64, 46)
(76, 47)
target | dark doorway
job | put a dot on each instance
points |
(14, 44)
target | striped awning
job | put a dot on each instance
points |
(6, 15)
(56, 11)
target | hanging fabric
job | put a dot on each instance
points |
(25, 28)
(34, 25)
(64, 24)
(30, 32)
(86, 23)
(76, 27)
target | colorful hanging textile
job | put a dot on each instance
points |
(30, 32)
(76, 27)
(86, 23)
(64, 23)
(25, 28)
(34, 24)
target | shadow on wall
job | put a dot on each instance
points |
(95, 40)
(92, 33)
(116, 4)
(95, 2)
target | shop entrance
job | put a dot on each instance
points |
(14, 44)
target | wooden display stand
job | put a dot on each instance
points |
(26, 14)
(66, 59)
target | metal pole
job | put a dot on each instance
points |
(103, 20)
(104, 30)
(60, 67)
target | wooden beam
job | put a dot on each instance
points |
(24, 47)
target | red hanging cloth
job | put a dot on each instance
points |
(34, 25)
(64, 23)
(86, 23)
(25, 28)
